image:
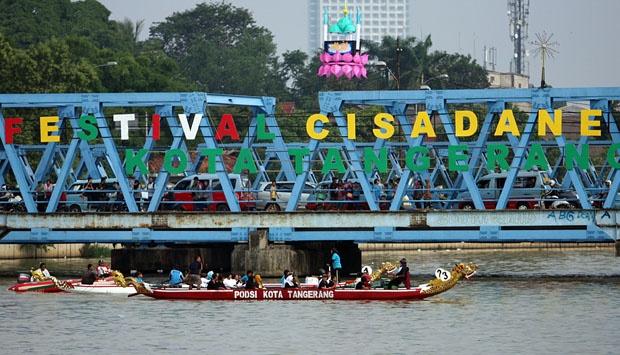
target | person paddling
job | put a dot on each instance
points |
(176, 277)
(89, 276)
(326, 282)
(364, 283)
(401, 276)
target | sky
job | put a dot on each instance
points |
(587, 31)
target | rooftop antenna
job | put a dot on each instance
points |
(546, 48)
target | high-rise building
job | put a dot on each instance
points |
(379, 18)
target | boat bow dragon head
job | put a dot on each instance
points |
(444, 281)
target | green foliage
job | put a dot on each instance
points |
(95, 251)
(65, 46)
(222, 49)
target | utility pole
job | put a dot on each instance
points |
(398, 51)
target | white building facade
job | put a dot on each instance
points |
(379, 18)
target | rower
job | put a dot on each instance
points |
(364, 283)
(102, 269)
(326, 282)
(401, 275)
(289, 282)
(89, 276)
(250, 283)
(139, 277)
(176, 277)
(41, 272)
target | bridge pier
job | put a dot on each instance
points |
(270, 259)
(617, 247)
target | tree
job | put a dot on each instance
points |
(29, 22)
(221, 48)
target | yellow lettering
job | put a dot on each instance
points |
(351, 132)
(507, 124)
(459, 123)
(423, 125)
(385, 128)
(545, 121)
(587, 125)
(310, 126)
(48, 125)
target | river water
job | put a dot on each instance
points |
(521, 302)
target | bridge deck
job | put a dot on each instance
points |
(427, 226)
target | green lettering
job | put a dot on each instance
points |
(132, 160)
(333, 161)
(536, 157)
(455, 155)
(261, 129)
(298, 154)
(88, 123)
(371, 160)
(245, 160)
(583, 159)
(169, 159)
(424, 159)
(611, 156)
(211, 155)
(497, 155)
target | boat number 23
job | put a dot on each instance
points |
(442, 274)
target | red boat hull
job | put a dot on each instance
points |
(47, 286)
(288, 294)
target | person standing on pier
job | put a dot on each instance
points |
(336, 265)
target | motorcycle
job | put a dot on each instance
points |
(559, 199)
(12, 203)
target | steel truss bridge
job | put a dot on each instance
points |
(28, 165)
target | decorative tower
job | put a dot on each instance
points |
(342, 46)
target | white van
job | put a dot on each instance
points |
(525, 193)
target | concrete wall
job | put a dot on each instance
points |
(31, 251)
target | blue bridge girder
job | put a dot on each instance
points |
(359, 227)
(26, 166)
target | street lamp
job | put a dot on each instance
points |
(382, 64)
(423, 85)
(108, 64)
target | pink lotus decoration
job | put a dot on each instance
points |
(347, 65)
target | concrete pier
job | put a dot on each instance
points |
(617, 247)
(270, 259)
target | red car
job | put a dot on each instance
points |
(216, 199)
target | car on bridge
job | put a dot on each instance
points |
(79, 200)
(284, 189)
(185, 196)
(525, 194)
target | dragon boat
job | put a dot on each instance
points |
(45, 286)
(37, 282)
(443, 281)
(116, 284)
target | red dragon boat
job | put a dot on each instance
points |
(443, 281)
(45, 286)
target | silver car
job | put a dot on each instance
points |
(284, 189)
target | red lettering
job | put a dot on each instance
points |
(11, 128)
(227, 128)
(156, 118)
